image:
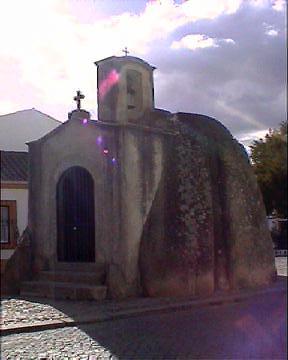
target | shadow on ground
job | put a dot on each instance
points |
(252, 328)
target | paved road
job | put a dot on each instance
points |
(252, 329)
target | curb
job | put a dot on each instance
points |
(122, 314)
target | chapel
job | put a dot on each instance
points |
(142, 202)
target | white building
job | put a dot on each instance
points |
(16, 130)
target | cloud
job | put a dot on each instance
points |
(270, 30)
(193, 42)
(249, 137)
(209, 9)
(48, 49)
(242, 85)
(229, 41)
(198, 41)
(279, 5)
(55, 49)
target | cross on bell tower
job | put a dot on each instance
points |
(78, 99)
(125, 50)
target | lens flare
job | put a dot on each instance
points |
(84, 121)
(99, 140)
(106, 84)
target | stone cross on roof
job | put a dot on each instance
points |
(125, 50)
(78, 99)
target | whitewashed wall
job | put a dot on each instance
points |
(16, 130)
(23, 126)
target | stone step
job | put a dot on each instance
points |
(95, 278)
(78, 267)
(63, 290)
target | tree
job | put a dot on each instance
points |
(269, 160)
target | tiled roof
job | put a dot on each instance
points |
(14, 166)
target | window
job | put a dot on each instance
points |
(8, 224)
(5, 233)
(134, 90)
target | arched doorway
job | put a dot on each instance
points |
(75, 216)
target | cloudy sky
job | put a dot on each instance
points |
(222, 58)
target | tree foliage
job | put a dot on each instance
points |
(269, 159)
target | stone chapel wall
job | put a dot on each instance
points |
(142, 154)
(125, 89)
(177, 212)
(73, 145)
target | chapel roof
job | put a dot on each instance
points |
(14, 165)
(125, 58)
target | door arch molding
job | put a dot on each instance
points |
(75, 216)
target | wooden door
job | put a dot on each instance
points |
(75, 216)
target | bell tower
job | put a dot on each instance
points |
(125, 89)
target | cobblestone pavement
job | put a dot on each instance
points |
(67, 343)
(28, 312)
(19, 311)
(254, 329)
